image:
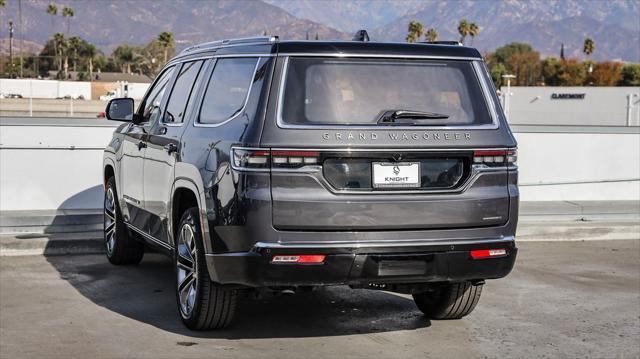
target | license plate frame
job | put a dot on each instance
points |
(395, 175)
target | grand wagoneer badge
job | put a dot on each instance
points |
(397, 136)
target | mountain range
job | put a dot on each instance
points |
(545, 24)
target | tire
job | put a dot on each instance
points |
(202, 305)
(451, 301)
(121, 247)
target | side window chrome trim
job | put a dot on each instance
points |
(474, 64)
(196, 121)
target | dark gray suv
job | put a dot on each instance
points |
(260, 164)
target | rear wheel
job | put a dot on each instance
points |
(450, 301)
(120, 246)
(202, 304)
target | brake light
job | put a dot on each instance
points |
(495, 157)
(488, 253)
(301, 258)
(254, 159)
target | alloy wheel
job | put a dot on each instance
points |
(110, 220)
(187, 270)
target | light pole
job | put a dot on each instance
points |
(11, 49)
(508, 94)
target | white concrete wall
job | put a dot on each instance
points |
(39, 170)
(579, 166)
(601, 106)
(45, 88)
(54, 89)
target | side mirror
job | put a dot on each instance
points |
(120, 109)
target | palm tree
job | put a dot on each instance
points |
(589, 46)
(416, 29)
(90, 51)
(68, 13)
(167, 41)
(431, 35)
(125, 56)
(74, 44)
(463, 29)
(474, 30)
(58, 43)
(52, 10)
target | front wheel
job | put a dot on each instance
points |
(449, 301)
(202, 305)
(120, 246)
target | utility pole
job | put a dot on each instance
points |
(21, 37)
(11, 49)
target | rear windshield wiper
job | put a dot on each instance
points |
(408, 117)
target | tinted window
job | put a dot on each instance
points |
(227, 89)
(151, 110)
(321, 91)
(181, 92)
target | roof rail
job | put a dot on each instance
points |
(236, 41)
(456, 43)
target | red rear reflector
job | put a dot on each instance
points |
(302, 258)
(295, 153)
(490, 153)
(488, 253)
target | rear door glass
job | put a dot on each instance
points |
(181, 92)
(328, 91)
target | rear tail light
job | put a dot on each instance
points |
(495, 157)
(294, 159)
(299, 258)
(264, 159)
(488, 253)
(252, 159)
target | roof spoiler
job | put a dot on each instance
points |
(455, 43)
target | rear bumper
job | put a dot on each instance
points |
(360, 263)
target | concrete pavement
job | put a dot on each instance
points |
(564, 299)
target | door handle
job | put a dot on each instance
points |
(171, 148)
(141, 145)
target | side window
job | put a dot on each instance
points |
(181, 92)
(227, 89)
(151, 111)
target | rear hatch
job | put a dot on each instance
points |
(362, 144)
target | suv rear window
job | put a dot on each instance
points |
(329, 91)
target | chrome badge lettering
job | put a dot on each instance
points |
(403, 136)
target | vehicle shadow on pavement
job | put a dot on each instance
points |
(145, 293)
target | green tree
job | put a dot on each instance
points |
(75, 44)
(571, 73)
(589, 47)
(59, 42)
(415, 31)
(520, 60)
(474, 30)
(167, 42)
(68, 13)
(630, 75)
(431, 35)
(463, 29)
(124, 56)
(551, 67)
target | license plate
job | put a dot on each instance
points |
(396, 175)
